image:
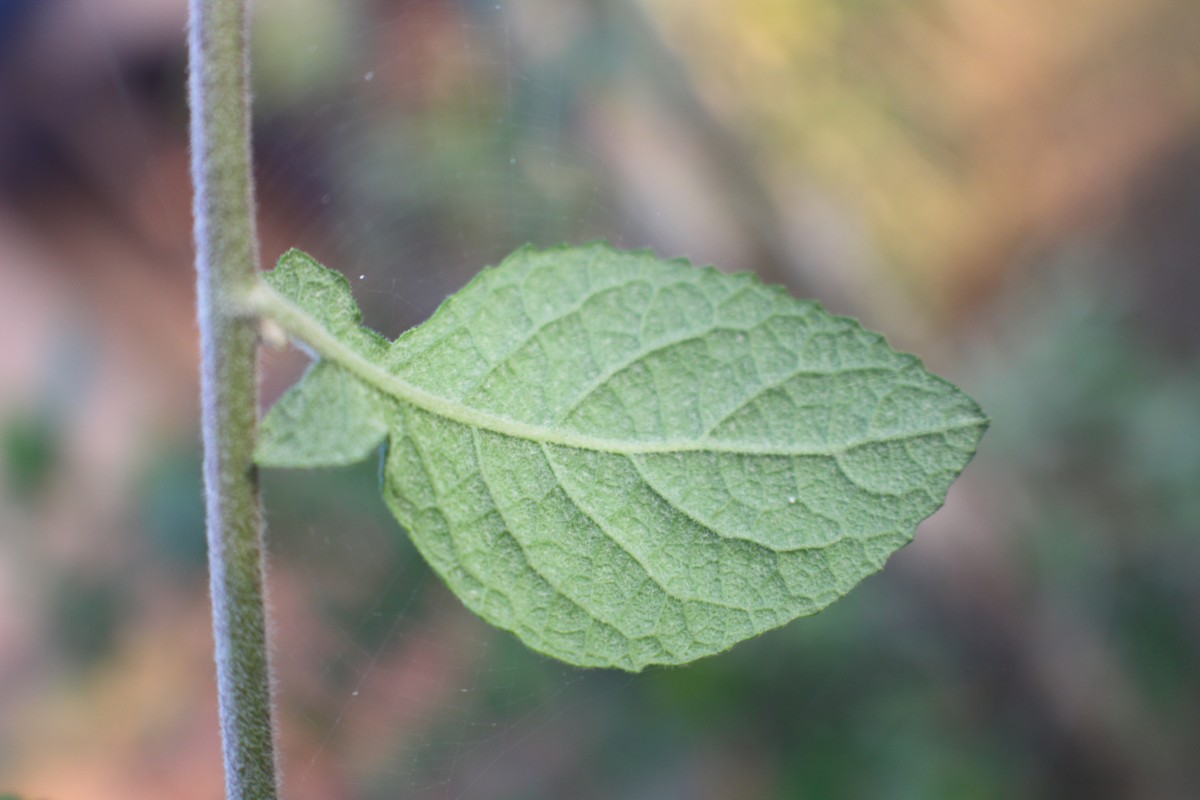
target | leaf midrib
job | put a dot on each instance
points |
(299, 324)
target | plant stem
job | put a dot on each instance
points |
(226, 268)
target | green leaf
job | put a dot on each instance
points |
(625, 461)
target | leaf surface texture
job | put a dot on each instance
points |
(623, 460)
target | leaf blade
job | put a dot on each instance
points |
(627, 461)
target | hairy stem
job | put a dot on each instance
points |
(226, 268)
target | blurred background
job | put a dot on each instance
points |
(1010, 190)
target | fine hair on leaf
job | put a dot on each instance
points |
(624, 460)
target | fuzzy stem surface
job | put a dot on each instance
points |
(226, 268)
